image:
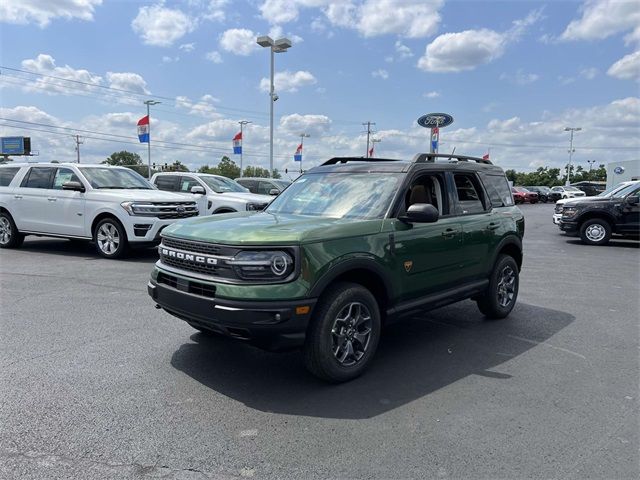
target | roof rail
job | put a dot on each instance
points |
(431, 157)
(334, 160)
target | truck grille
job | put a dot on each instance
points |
(169, 210)
(198, 257)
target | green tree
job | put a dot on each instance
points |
(127, 159)
(256, 172)
(176, 166)
(228, 168)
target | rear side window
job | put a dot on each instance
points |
(7, 174)
(168, 183)
(252, 185)
(498, 189)
(470, 197)
(38, 177)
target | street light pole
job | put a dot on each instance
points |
(242, 124)
(571, 150)
(148, 103)
(278, 46)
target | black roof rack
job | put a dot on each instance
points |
(431, 157)
(334, 160)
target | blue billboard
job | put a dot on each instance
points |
(12, 145)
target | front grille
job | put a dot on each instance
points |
(219, 270)
(171, 210)
(196, 288)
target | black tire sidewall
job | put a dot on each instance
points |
(120, 251)
(319, 355)
(593, 221)
(488, 303)
(16, 236)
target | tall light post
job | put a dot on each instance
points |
(278, 46)
(571, 150)
(590, 162)
(242, 124)
(148, 103)
(302, 137)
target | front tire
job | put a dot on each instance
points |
(10, 237)
(501, 294)
(110, 238)
(343, 334)
(595, 232)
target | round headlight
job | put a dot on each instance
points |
(279, 264)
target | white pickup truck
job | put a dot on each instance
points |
(111, 206)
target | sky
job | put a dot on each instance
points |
(513, 74)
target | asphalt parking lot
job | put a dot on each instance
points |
(97, 383)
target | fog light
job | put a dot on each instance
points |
(277, 317)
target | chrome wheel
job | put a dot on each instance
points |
(506, 286)
(108, 238)
(5, 231)
(595, 232)
(351, 333)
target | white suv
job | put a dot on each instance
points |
(113, 206)
(224, 195)
(569, 192)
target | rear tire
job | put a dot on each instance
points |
(110, 238)
(500, 296)
(10, 237)
(343, 334)
(595, 232)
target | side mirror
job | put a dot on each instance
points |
(420, 213)
(198, 189)
(274, 191)
(75, 186)
(633, 200)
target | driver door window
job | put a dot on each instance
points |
(186, 183)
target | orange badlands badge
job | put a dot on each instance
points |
(407, 266)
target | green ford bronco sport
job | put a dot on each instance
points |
(348, 247)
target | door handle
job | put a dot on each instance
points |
(52, 199)
(17, 196)
(449, 233)
(493, 226)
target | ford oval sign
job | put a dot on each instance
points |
(618, 170)
(432, 120)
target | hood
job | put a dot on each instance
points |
(243, 197)
(124, 195)
(566, 201)
(264, 228)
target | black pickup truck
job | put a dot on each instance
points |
(597, 218)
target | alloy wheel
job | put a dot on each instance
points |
(351, 333)
(595, 232)
(5, 231)
(108, 238)
(506, 286)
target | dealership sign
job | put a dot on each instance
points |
(433, 120)
(618, 170)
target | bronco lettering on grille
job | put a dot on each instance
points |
(189, 257)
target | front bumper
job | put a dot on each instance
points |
(272, 325)
(556, 218)
(146, 229)
(568, 227)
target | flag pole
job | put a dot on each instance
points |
(148, 103)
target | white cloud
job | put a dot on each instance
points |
(215, 10)
(402, 50)
(160, 26)
(289, 81)
(187, 47)
(46, 65)
(204, 107)
(589, 73)
(432, 94)
(127, 81)
(603, 18)
(239, 41)
(40, 12)
(627, 68)
(214, 57)
(520, 77)
(315, 125)
(456, 52)
(380, 73)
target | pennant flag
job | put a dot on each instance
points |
(297, 157)
(371, 152)
(485, 156)
(435, 136)
(143, 129)
(237, 143)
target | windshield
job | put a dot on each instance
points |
(109, 177)
(222, 185)
(282, 184)
(522, 190)
(609, 192)
(338, 195)
(623, 192)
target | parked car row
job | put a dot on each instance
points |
(535, 194)
(596, 219)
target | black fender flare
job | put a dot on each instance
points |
(344, 266)
(506, 241)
